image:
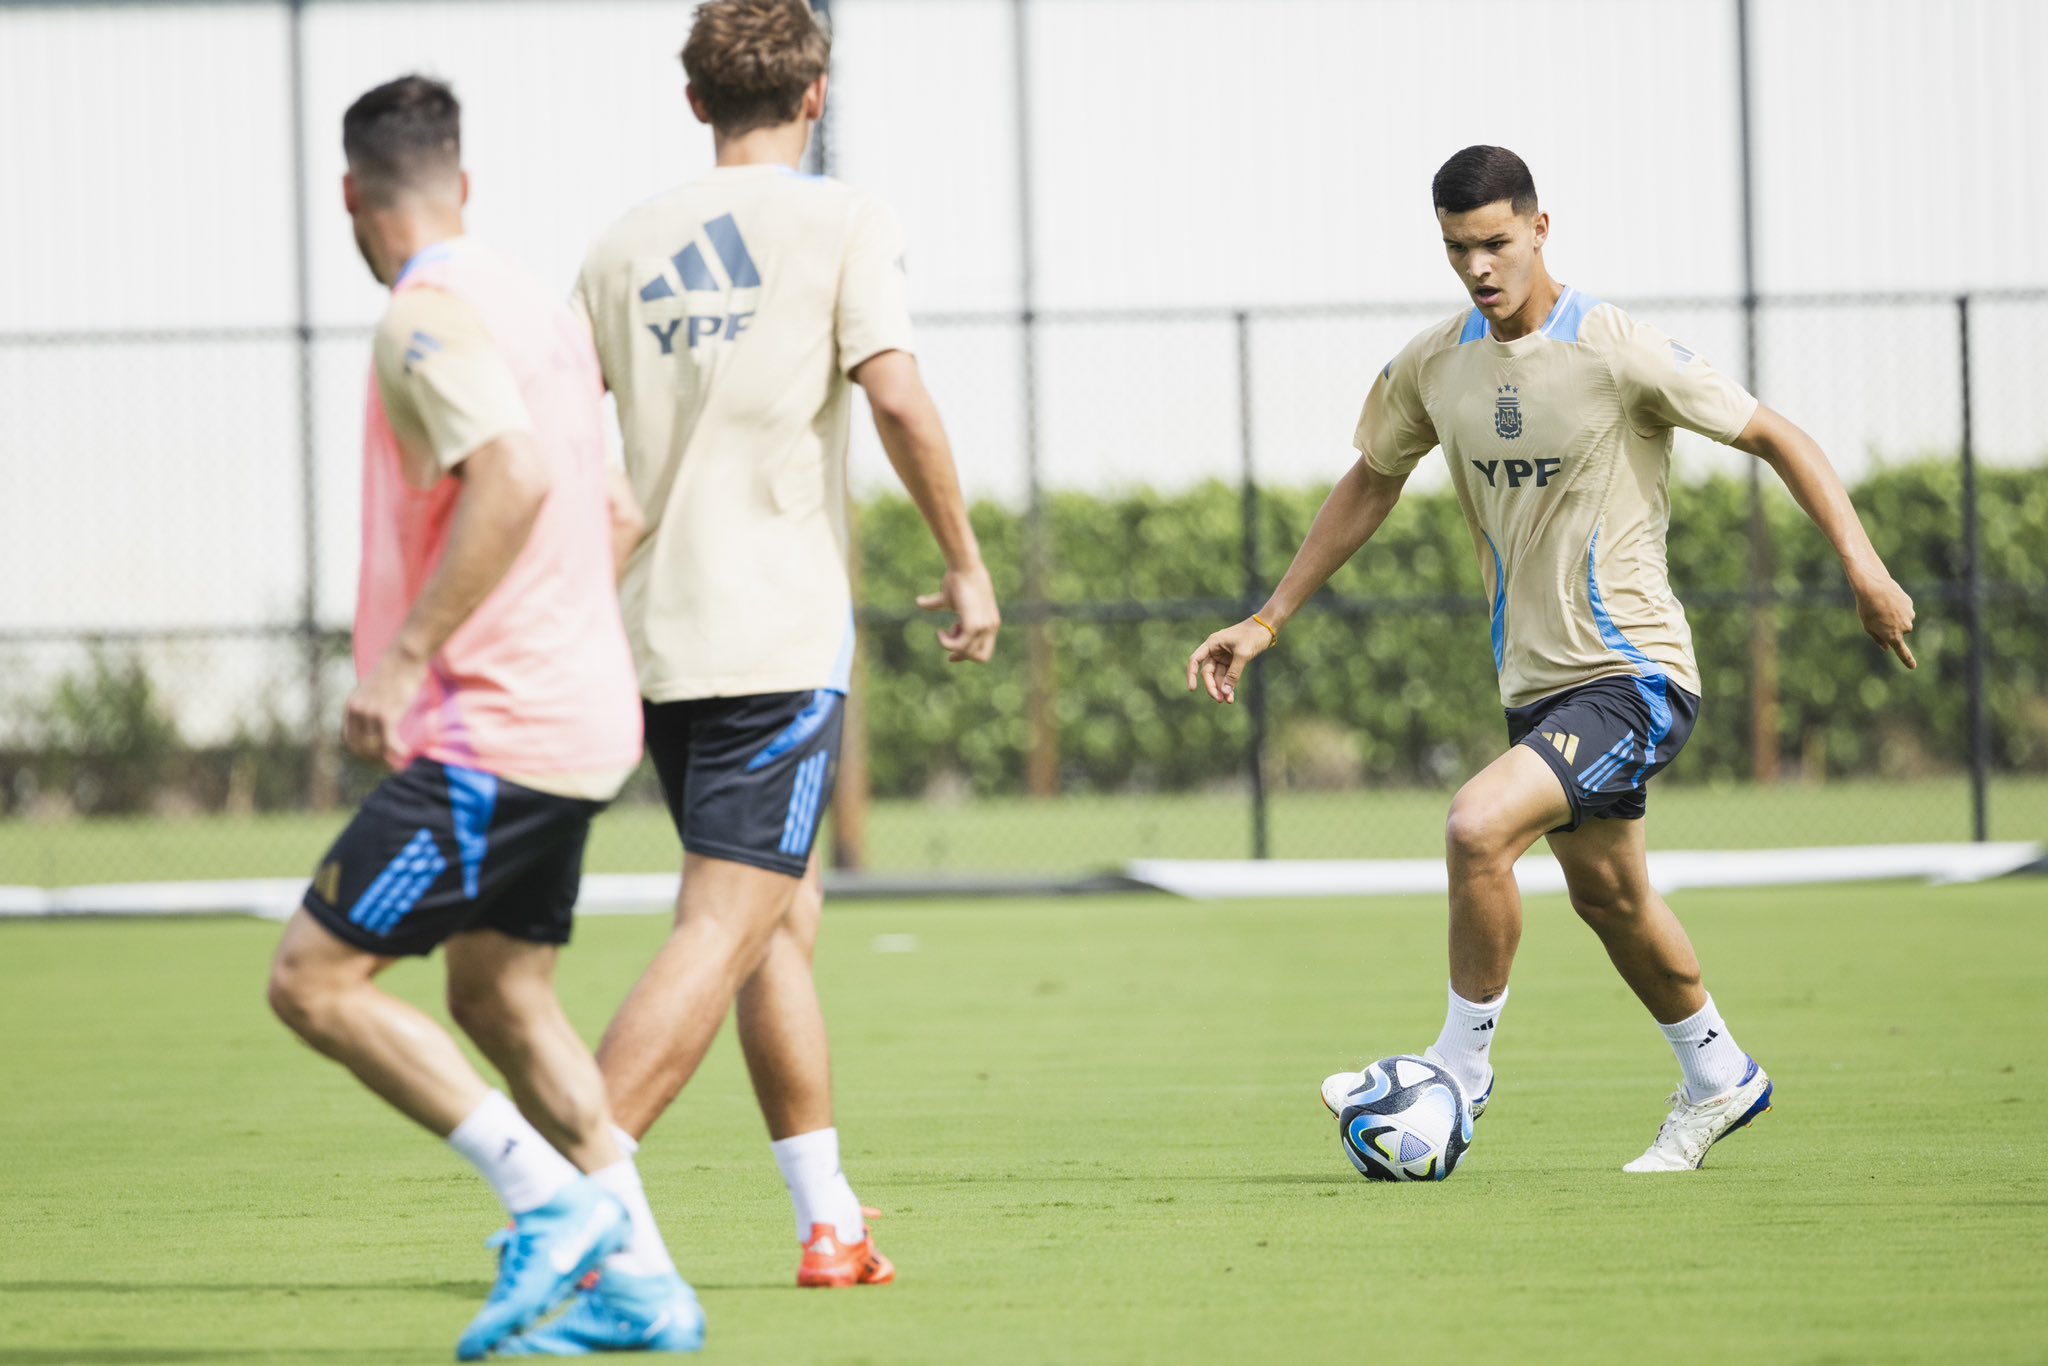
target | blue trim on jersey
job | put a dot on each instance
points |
(1568, 314)
(400, 886)
(425, 256)
(1650, 681)
(842, 667)
(1500, 608)
(808, 722)
(1475, 328)
(472, 800)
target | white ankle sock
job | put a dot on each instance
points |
(1706, 1052)
(521, 1166)
(645, 1254)
(1467, 1040)
(817, 1186)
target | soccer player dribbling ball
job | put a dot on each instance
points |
(1555, 412)
(733, 315)
(496, 683)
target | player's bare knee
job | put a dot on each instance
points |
(301, 1000)
(1473, 835)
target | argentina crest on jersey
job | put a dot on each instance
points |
(1507, 412)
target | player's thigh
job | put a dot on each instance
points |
(806, 912)
(1507, 806)
(493, 976)
(742, 903)
(1606, 865)
(1606, 740)
(311, 960)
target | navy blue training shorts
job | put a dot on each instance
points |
(1606, 740)
(748, 779)
(437, 850)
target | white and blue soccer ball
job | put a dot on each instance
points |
(1407, 1120)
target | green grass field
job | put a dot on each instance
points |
(1072, 834)
(1094, 1127)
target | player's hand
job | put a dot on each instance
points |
(970, 595)
(1220, 662)
(369, 725)
(1887, 614)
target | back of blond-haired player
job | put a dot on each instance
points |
(733, 315)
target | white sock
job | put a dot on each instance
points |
(645, 1254)
(628, 1144)
(1467, 1039)
(521, 1166)
(1706, 1052)
(817, 1186)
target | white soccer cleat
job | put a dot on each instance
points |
(1692, 1128)
(1337, 1087)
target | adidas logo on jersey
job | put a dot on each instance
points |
(694, 272)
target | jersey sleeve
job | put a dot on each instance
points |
(873, 313)
(1394, 432)
(446, 388)
(1665, 384)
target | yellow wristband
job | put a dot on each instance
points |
(1269, 627)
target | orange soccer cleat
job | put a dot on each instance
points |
(829, 1260)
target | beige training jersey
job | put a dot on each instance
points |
(728, 314)
(1559, 446)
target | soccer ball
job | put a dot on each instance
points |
(1408, 1121)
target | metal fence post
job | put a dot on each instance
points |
(1042, 765)
(1763, 639)
(322, 763)
(1973, 598)
(1256, 692)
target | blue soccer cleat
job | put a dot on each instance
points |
(623, 1314)
(547, 1251)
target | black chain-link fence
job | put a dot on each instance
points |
(180, 503)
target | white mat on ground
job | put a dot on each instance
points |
(277, 898)
(1201, 879)
(1673, 871)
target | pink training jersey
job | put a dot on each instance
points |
(539, 680)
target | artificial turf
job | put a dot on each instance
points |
(1093, 1126)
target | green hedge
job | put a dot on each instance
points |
(1407, 695)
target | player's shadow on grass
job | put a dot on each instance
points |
(467, 1290)
(142, 1356)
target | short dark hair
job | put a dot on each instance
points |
(405, 134)
(1483, 175)
(751, 61)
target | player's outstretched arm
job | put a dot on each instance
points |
(908, 423)
(1886, 610)
(504, 483)
(1346, 521)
